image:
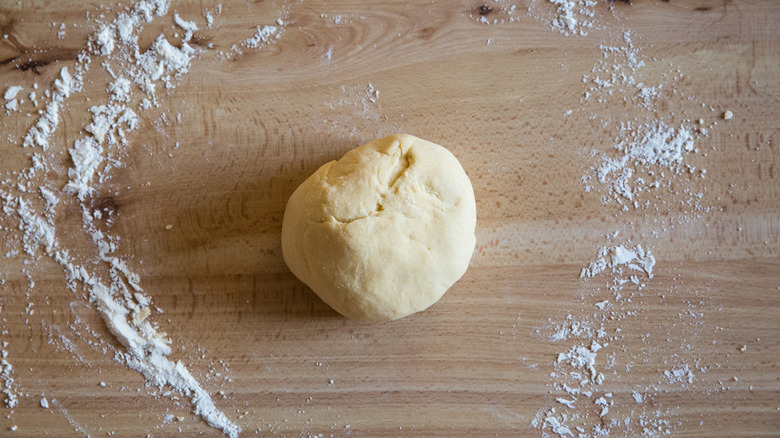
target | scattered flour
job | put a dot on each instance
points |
(262, 35)
(582, 357)
(580, 370)
(105, 40)
(349, 101)
(556, 424)
(86, 155)
(647, 151)
(11, 92)
(573, 17)
(120, 90)
(6, 374)
(127, 312)
(679, 375)
(645, 154)
(618, 76)
(165, 59)
(209, 13)
(189, 27)
(39, 134)
(570, 17)
(573, 328)
(617, 257)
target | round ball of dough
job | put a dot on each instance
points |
(383, 232)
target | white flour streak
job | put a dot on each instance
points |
(188, 26)
(147, 353)
(6, 374)
(39, 134)
(11, 92)
(262, 35)
(86, 157)
(126, 312)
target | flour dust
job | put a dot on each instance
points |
(34, 198)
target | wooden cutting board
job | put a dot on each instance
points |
(241, 131)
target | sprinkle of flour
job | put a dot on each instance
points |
(646, 154)
(651, 146)
(39, 134)
(119, 89)
(189, 27)
(111, 284)
(262, 35)
(617, 257)
(677, 375)
(6, 374)
(11, 92)
(105, 40)
(573, 17)
(591, 353)
(582, 367)
(581, 357)
(165, 59)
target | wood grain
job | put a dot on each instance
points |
(478, 362)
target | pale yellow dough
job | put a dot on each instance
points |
(383, 232)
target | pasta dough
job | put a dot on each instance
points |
(383, 232)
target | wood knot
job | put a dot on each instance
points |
(107, 207)
(484, 10)
(33, 65)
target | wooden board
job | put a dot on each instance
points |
(277, 360)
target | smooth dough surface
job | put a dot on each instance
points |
(383, 232)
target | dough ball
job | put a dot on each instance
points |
(383, 232)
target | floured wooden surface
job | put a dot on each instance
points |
(532, 108)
